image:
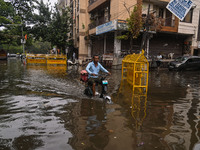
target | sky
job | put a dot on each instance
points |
(46, 1)
(52, 2)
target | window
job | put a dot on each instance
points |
(188, 17)
(198, 38)
(189, 60)
(161, 12)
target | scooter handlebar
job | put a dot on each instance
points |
(103, 75)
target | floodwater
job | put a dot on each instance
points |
(44, 108)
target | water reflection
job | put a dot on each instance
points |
(169, 117)
(138, 109)
(56, 69)
(31, 102)
(136, 104)
(51, 69)
(180, 100)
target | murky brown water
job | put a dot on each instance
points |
(44, 108)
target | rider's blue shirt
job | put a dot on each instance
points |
(91, 68)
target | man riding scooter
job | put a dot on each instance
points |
(93, 69)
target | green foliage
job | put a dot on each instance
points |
(12, 48)
(135, 22)
(42, 21)
(11, 20)
(24, 9)
(47, 26)
(83, 26)
(52, 27)
(60, 28)
(123, 37)
(6, 13)
(39, 47)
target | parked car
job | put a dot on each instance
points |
(12, 55)
(185, 63)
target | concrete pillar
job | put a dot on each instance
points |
(89, 50)
(104, 44)
(117, 50)
(117, 46)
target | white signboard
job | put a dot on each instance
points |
(109, 26)
(180, 8)
(23, 41)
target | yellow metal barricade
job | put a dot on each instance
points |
(56, 60)
(36, 59)
(135, 70)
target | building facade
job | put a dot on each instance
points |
(174, 36)
(98, 23)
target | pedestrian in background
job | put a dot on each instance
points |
(158, 61)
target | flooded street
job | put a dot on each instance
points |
(44, 108)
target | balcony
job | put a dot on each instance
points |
(96, 23)
(169, 25)
(92, 1)
(93, 4)
(163, 24)
(157, 1)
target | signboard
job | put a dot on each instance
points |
(109, 26)
(23, 41)
(122, 25)
(180, 8)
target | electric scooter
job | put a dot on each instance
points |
(104, 87)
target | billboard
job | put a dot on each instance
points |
(180, 8)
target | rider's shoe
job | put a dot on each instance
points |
(97, 93)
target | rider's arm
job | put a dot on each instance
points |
(88, 68)
(103, 69)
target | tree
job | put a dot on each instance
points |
(7, 18)
(60, 28)
(39, 47)
(17, 15)
(42, 22)
(6, 13)
(134, 24)
(24, 9)
(12, 18)
(52, 27)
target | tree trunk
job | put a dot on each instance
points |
(131, 44)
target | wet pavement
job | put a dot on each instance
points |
(43, 107)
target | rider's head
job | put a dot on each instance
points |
(96, 58)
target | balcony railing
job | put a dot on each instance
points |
(93, 4)
(163, 24)
(98, 22)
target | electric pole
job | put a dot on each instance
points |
(145, 38)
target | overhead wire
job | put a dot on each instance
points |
(124, 11)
